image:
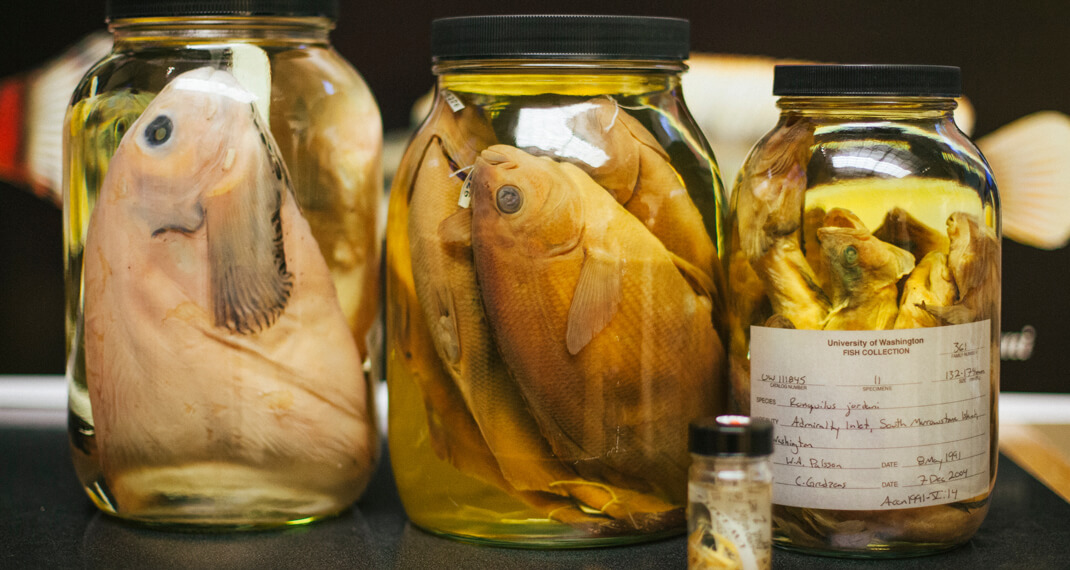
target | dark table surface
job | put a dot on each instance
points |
(46, 521)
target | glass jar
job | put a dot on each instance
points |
(222, 180)
(553, 284)
(864, 279)
(730, 494)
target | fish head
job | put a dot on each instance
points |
(198, 157)
(520, 199)
(860, 261)
(187, 142)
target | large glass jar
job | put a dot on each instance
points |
(554, 287)
(222, 184)
(864, 279)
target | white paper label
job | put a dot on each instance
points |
(868, 420)
(739, 515)
(465, 198)
(452, 100)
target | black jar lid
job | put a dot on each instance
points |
(863, 80)
(118, 9)
(560, 37)
(731, 435)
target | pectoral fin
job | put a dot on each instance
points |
(595, 301)
(699, 280)
(456, 229)
(641, 134)
(250, 285)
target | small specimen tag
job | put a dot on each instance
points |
(466, 193)
(452, 100)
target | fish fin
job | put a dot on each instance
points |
(904, 262)
(595, 301)
(250, 284)
(444, 329)
(456, 229)
(639, 132)
(957, 314)
(699, 280)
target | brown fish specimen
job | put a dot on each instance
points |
(745, 297)
(332, 142)
(215, 342)
(769, 212)
(769, 197)
(813, 219)
(640, 177)
(975, 263)
(480, 391)
(929, 285)
(612, 348)
(902, 230)
(865, 272)
(791, 285)
(837, 218)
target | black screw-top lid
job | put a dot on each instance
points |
(118, 9)
(560, 37)
(731, 435)
(861, 80)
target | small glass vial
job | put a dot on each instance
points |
(730, 493)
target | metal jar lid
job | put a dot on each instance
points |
(560, 37)
(864, 80)
(731, 435)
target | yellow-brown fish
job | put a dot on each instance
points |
(638, 174)
(930, 285)
(769, 213)
(517, 458)
(903, 230)
(975, 263)
(865, 272)
(613, 349)
(769, 195)
(213, 332)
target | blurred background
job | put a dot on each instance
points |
(1015, 60)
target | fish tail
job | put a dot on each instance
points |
(32, 107)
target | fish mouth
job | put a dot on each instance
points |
(497, 158)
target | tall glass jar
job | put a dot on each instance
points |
(864, 280)
(554, 286)
(222, 185)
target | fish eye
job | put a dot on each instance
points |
(509, 199)
(159, 130)
(850, 255)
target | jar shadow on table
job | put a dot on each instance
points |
(420, 549)
(342, 542)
